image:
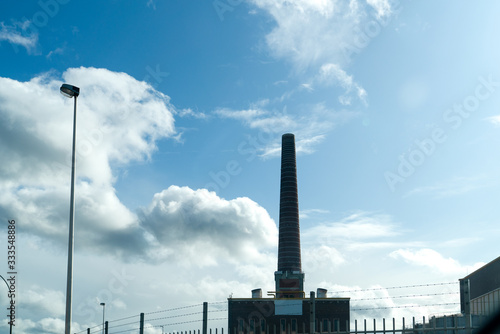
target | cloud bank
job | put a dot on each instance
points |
(318, 39)
(119, 121)
(308, 33)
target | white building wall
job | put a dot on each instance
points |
(487, 304)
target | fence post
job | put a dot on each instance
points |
(106, 327)
(141, 324)
(312, 314)
(466, 295)
(205, 317)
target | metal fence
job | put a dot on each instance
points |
(456, 324)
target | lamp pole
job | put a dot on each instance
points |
(103, 308)
(8, 287)
(71, 91)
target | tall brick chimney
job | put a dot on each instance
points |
(289, 277)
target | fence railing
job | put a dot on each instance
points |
(442, 325)
(455, 324)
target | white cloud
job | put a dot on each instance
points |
(295, 38)
(38, 300)
(355, 227)
(151, 4)
(431, 259)
(57, 51)
(198, 227)
(316, 258)
(45, 325)
(188, 112)
(310, 125)
(495, 120)
(35, 302)
(383, 7)
(333, 74)
(317, 32)
(453, 187)
(259, 273)
(369, 302)
(304, 214)
(318, 38)
(245, 115)
(257, 118)
(119, 120)
(17, 35)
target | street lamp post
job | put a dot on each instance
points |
(103, 308)
(71, 91)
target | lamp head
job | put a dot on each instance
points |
(69, 90)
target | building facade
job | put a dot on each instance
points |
(480, 291)
(287, 316)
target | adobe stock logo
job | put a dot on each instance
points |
(364, 34)
(453, 118)
(49, 9)
(222, 6)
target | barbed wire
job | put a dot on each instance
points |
(408, 296)
(402, 306)
(174, 309)
(217, 319)
(132, 316)
(128, 323)
(394, 287)
(175, 316)
(298, 302)
(217, 311)
(212, 303)
(172, 324)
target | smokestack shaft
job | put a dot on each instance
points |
(289, 231)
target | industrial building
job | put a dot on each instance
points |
(288, 311)
(480, 291)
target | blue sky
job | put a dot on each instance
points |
(394, 106)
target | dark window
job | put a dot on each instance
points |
(324, 326)
(240, 326)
